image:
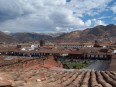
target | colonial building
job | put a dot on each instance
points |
(74, 45)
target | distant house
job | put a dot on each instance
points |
(108, 45)
(74, 45)
(23, 45)
(27, 46)
(114, 52)
(112, 46)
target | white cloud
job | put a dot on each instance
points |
(90, 7)
(88, 23)
(7, 32)
(47, 15)
(55, 2)
(114, 9)
(98, 22)
(60, 29)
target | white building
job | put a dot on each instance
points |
(31, 47)
(74, 45)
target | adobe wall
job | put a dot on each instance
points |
(47, 62)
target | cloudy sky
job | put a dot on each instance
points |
(55, 15)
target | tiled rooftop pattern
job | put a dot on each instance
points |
(58, 78)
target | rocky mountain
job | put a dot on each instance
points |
(97, 33)
(68, 36)
(26, 37)
(6, 38)
(52, 34)
(102, 33)
(55, 34)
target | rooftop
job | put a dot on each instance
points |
(59, 78)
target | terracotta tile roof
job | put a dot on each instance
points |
(65, 51)
(61, 78)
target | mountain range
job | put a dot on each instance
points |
(100, 32)
(7, 38)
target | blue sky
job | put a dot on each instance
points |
(45, 16)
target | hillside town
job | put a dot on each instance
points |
(47, 64)
(57, 43)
